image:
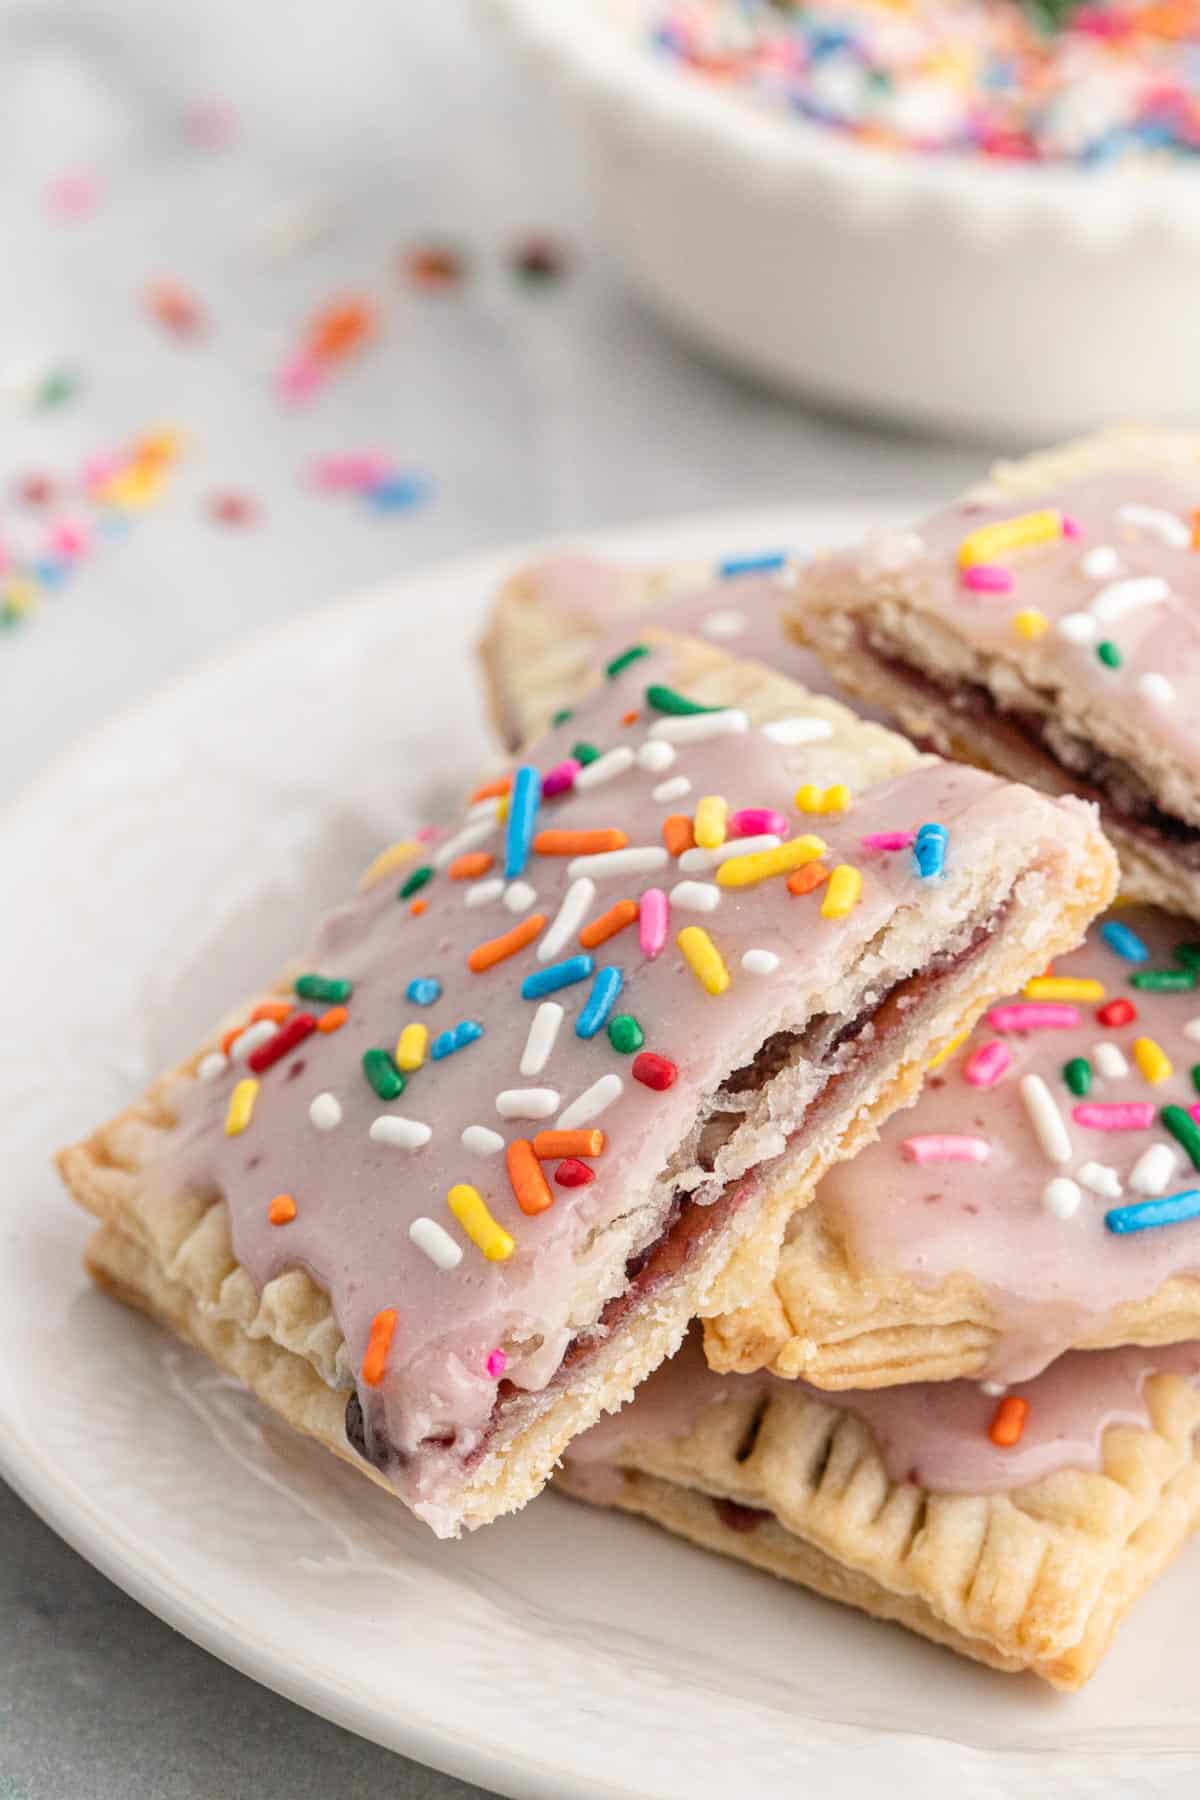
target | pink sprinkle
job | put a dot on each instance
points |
(984, 1067)
(940, 1147)
(210, 123)
(428, 834)
(654, 912)
(1070, 527)
(73, 195)
(69, 539)
(496, 1364)
(988, 578)
(352, 473)
(1122, 1115)
(300, 377)
(561, 778)
(1033, 1015)
(1195, 1111)
(754, 821)
(5, 558)
(889, 840)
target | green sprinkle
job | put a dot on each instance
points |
(323, 987)
(562, 715)
(1188, 955)
(625, 1034)
(666, 700)
(626, 657)
(584, 753)
(1165, 981)
(1078, 1075)
(415, 881)
(1196, 1076)
(1184, 1130)
(1108, 653)
(383, 1074)
(58, 386)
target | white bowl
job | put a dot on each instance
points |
(993, 299)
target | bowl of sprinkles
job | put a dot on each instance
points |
(980, 216)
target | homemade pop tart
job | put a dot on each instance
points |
(550, 1088)
(1047, 626)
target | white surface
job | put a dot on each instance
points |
(561, 1653)
(943, 290)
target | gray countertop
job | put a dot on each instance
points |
(534, 412)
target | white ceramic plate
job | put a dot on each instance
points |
(149, 878)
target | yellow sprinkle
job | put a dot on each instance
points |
(19, 594)
(993, 541)
(843, 892)
(760, 865)
(1063, 987)
(813, 799)
(708, 827)
(703, 958)
(467, 1205)
(134, 487)
(387, 860)
(241, 1107)
(1030, 623)
(410, 1051)
(1152, 1060)
(501, 808)
(947, 1050)
(164, 446)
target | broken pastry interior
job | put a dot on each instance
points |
(553, 1085)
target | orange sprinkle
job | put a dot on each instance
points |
(579, 843)
(333, 1020)
(803, 881)
(1196, 529)
(470, 864)
(608, 924)
(529, 1185)
(235, 1031)
(342, 327)
(1008, 1421)
(282, 1210)
(496, 950)
(383, 1329)
(677, 834)
(549, 1144)
(491, 789)
(630, 718)
(417, 907)
(276, 1010)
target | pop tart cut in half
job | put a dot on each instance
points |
(1046, 626)
(551, 1088)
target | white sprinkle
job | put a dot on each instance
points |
(480, 1141)
(482, 893)
(1191, 1031)
(404, 1134)
(1155, 688)
(654, 756)
(576, 905)
(1046, 1119)
(635, 861)
(696, 896)
(1153, 1170)
(1062, 1197)
(760, 962)
(212, 1066)
(1122, 597)
(674, 789)
(1168, 526)
(251, 1038)
(466, 839)
(722, 625)
(798, 731)
(697, 860)
(605, 768)
(519, 896)
(483, 809)
(1110, 1061)
(695, 728)
(993, 1389)
(592, 1102)
(1078, 628)
(527, 1103)
(1100, 562)
(325, 1111)
(436, 1242)
(1100, 1179)
(542, 1033)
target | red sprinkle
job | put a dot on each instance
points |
(573, 1173)
(654, 1071)
(1117, 1012)
(433, 266)
(232, 508)
(35, 490)
(286, 1038)
(175, 308)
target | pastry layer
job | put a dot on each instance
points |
(900, 1504)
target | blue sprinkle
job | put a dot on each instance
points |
(1173, 1209)
(752, 565)
(600, 1001)
(1124, 941)
(50, 571)
(447, 1042)
(558, 975)
(522, 812)
(424, 990)
(396, 493)
(930, 850)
